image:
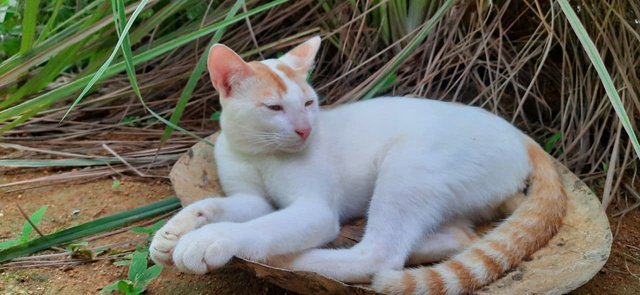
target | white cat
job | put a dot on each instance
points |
(420, 170)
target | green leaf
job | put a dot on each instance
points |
(387, 84)
(138, 264)
(35, 218)
(52, 19)
(105, 66)
(596, 60)
(122, 262)
(147, 276)
(73, 247)
(9, 243)
(111, 287)
(151, 229)
(29, 22)
(115, 184)
(120, 20)
(216, 116)
(125, 286)
(549, 143)
(90, 228)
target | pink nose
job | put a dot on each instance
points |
(303, 132)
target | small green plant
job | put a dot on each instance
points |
(549, 144)
(149, 230)
(115, 184)
(216, 116)
(131, 258)
(81, 250)
(27, 228)
(139, 275)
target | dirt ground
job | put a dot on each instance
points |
(621, 274)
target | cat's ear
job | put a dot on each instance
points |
(302, 57)
(226, 69)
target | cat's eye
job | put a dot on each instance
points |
(308, 103)
(274, 107)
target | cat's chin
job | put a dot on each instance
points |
(294, 148)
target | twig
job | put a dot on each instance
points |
(630, 272)
(106, 147)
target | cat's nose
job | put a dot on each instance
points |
(303, 132)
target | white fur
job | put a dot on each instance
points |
(409, 164)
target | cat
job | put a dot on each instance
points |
(422, 171)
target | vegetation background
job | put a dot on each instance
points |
(96, 89)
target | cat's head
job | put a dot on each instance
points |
(267, 106)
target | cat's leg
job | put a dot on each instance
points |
(305, 224)
(450, 239)
(236, 208)
(407, 204)
(455, 236)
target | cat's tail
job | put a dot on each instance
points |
(529, 228)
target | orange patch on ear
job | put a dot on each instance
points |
(265, 74)
(288, 71)
(297, 76)
(226, 69)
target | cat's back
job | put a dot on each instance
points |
(418, 118)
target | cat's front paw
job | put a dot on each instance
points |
(190, 218)
(166, 238)
(162, 245)
(205, 249)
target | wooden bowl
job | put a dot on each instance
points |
(568, 261)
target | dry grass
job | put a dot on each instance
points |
(519, 59)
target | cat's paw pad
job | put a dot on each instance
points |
(203, 250)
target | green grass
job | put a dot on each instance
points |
(90, 228)
(31, 9)
(27, 229)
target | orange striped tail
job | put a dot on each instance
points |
(529, 228)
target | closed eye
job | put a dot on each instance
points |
(308, 103)
(274, 107)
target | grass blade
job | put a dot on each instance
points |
(195, 75)
(29, 22)
(80, 162)
(120, 19)
(27, 109)
(591, 50)
(399, 59)
(104, 67)
(49, 26)
(90, 228)
(27, 228)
